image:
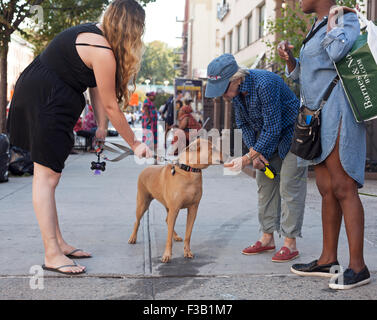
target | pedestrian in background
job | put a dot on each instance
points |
(340, 168)
(149, 121)
(48, 100)
(129, 118)
(265, 110)
(187, 122)
(168, 110)
(88, 128)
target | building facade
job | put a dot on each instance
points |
(372, 9)
(214, 27)
(202, 40)
(242, 28)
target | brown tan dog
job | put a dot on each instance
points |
(180, 190)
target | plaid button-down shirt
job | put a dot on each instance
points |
(266, 110)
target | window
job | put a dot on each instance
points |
(238, 37)
(262, 11)
(231, 42)
(372, 10)
(224, 45)
(249, 30)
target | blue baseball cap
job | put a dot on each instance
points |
(219, 72)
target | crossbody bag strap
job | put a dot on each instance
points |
(311, 34)
(328, 93)
(314, 30)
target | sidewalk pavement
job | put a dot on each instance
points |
(97, 214)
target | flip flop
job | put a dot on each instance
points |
(57, 269)
(71, 256)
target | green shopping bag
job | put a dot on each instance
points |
(358, 73)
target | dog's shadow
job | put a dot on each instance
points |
(182, 267)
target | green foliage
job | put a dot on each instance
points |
(348, 3)
(161, 99)
(145, 2)
(292, 25)
(62, 14)
(158, 63)
(12, 14)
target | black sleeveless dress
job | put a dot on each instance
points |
(48, 100)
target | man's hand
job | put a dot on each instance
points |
(260, 162)
(237, 164)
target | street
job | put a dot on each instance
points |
(97, 214)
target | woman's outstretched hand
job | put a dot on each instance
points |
(141, 150)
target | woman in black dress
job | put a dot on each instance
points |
(48, 100)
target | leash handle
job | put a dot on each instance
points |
(268, 170)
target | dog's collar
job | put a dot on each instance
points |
(186, 168)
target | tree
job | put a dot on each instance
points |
(12, 14)
(158, 63)
(58, 15)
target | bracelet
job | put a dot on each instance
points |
(252, 158)
(248, 156)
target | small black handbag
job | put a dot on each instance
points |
(307, 130)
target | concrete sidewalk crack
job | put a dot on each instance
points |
(12, 193)
(147, 245)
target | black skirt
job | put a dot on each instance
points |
(43, 112)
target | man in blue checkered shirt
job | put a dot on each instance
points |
(265, 110)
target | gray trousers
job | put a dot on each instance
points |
(281, 202)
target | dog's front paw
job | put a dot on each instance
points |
(166, 258)
(178, 238)
(188, 254)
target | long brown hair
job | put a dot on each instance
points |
(123, 24)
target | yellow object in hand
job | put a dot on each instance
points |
(269, 172)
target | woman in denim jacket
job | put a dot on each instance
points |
(340, 168)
